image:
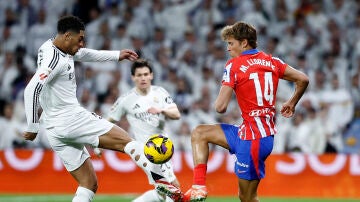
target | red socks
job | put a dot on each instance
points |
(200, 174)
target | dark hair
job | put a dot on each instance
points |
(70, 23)
(139, 63)
(240, 31)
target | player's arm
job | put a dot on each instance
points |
(31, 101)
(91, 55)
(223, 99)
(46, 65)
(169, 108)
(171, 112)
(117, 110)
(301, 82)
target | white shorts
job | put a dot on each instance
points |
(69, 140)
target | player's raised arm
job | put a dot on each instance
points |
(128, 54)
(91, 55)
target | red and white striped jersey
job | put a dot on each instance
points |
(254, 76)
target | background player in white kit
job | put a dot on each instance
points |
(69, 127)
(146, 107)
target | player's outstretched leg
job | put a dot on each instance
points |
(135, 150)
(195, 193)
(200, 143)
(168, 189)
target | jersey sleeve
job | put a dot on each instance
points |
(280, 65)
(168, 100)
(229, 75)
(117, 110)
(48, 67)
(91, 55)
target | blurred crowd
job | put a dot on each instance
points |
(181, 39)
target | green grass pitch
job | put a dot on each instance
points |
(127, 198)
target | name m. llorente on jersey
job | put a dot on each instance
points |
(54, 85)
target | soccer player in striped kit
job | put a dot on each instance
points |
(69, 126)
(253, 76)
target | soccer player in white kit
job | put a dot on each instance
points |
(146, 108)
(69, 127)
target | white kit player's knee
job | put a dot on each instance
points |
(83, 195)
(135, 150)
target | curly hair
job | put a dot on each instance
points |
(240, 31)
(70, 23)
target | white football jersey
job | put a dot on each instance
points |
(135, 106)
(53, 86)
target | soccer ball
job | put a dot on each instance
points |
(158, 149)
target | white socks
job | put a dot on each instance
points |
(83, 195)
(136, 151)
(149, 196)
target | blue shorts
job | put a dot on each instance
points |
(250, 154)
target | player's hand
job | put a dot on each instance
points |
(29, 136)
(154, 110)
(287, 110)
(128, 54)
(98, 152)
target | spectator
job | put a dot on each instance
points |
(38, 33)
(352, 136)
(11, 129)
(314, 29)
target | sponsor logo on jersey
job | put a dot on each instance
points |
(146, 116)
(43, 76)
(259, 112)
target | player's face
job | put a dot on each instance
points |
(76, 41)
(234, 47)
(142, 78)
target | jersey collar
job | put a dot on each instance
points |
(250, 52)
